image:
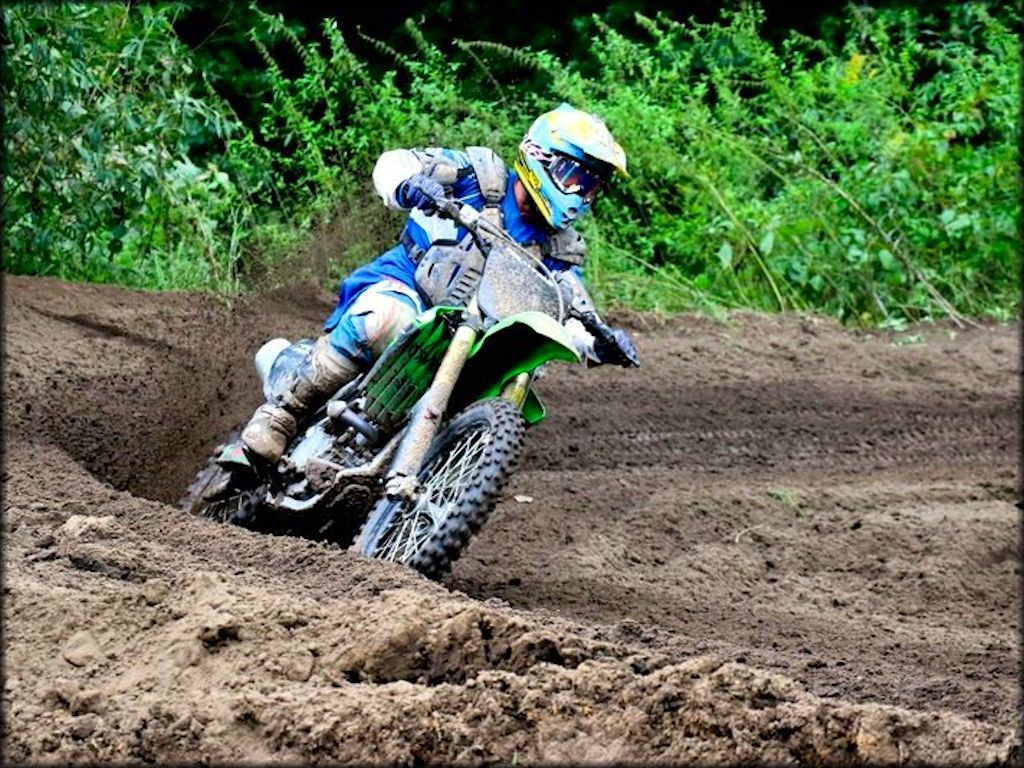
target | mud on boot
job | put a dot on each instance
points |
(268, 432)
(275, 423)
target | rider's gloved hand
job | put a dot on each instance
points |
(618, 350)
(419, 191)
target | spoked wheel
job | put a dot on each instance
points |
(215, 494)
(237, 509)
(462, 475)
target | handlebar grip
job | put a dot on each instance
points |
(605, 334)
(448, 207)
(595, 327)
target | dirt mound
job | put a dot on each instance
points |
(779, 541)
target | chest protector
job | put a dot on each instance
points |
(448, 273)
(567, 246)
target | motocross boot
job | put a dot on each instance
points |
(275, 423)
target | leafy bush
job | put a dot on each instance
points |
(327, 125)
(873, 177)
(113, 172)
(871, 174)
(873, 182)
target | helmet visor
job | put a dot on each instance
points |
(573, 178)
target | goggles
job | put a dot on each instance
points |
(573, 178)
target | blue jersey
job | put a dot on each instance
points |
(426, 230)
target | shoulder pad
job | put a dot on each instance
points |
(437, 165)
(568, 246)
(491, 173)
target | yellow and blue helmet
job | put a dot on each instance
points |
(564, 159)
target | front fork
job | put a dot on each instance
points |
(426, 415)
(517, 389)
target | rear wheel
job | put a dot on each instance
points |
(218, 493)
(462, 476)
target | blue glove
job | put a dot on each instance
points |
(419, 191)
(619, 349)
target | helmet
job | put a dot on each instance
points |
(564, 159)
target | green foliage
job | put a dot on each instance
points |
(871, 174)
(325, 126)
(110, 175)
(878, 180)
(871, 178)
(328, 124)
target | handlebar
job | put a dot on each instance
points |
(452, 209)
(468, 217)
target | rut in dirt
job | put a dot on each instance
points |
(832, 506)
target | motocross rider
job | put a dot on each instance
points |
(564, 159)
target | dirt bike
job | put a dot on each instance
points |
(414, 452)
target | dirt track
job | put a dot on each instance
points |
(779, 540)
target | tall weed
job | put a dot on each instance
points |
(876, 181)
(871, 174)
(872, 177)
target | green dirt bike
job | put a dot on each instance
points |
(411, 456)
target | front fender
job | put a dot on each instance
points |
(515, 345)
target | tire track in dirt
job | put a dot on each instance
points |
(743, 516)
(790, 435)
(756, 547)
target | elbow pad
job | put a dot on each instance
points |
(397, 165)
(392, 168)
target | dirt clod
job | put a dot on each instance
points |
(82, 650)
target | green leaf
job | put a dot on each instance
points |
(725, 255)
(887, 260)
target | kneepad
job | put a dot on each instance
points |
(374, 319)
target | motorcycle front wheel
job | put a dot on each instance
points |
(463, 474)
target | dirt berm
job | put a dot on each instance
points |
(778, 541)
